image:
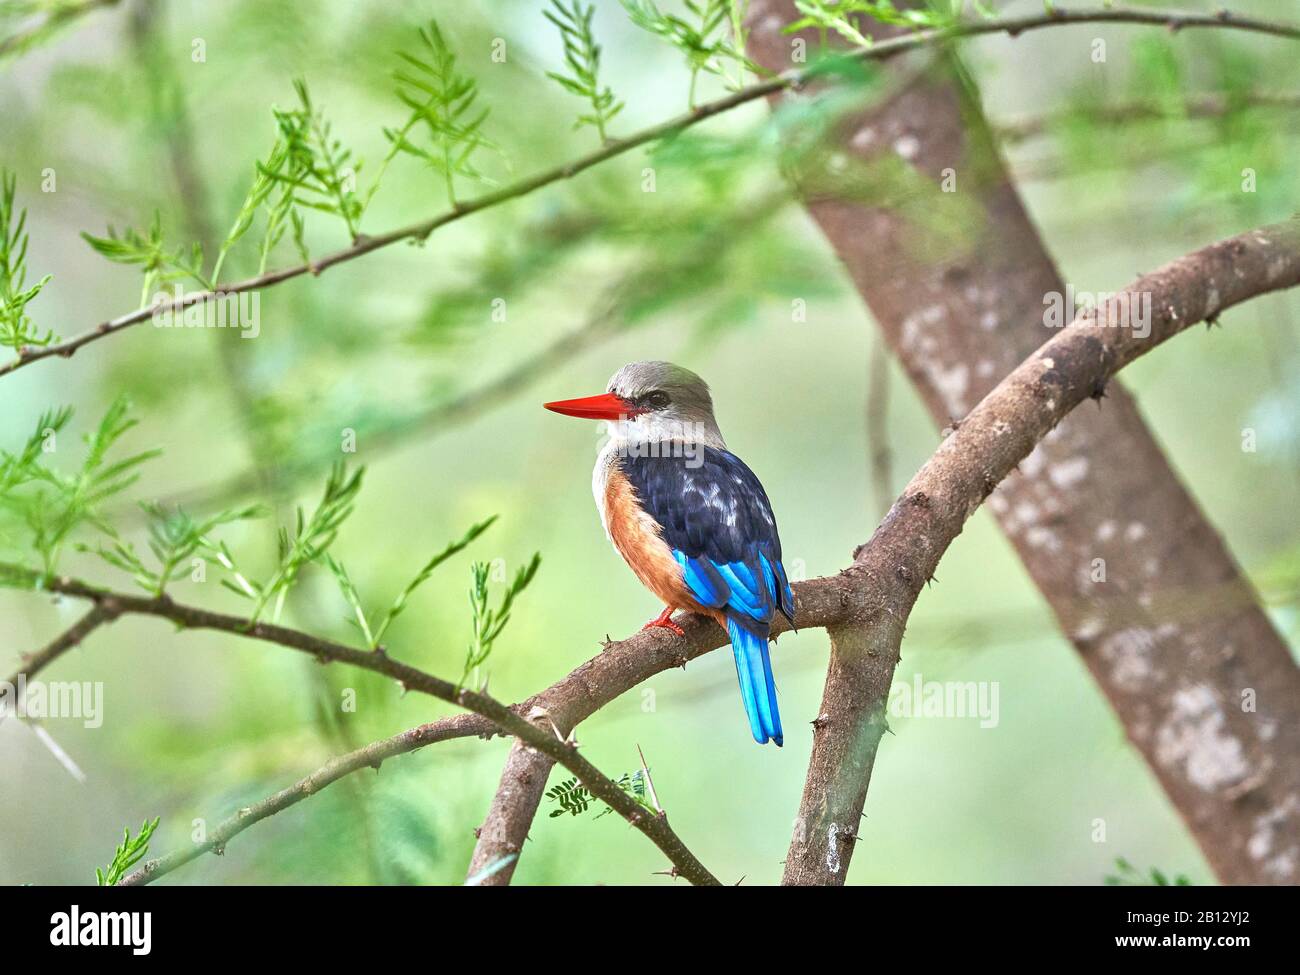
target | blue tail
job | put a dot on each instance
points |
(754, 668)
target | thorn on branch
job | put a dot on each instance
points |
(1212, 321)
(820, 722)
(1098, 392)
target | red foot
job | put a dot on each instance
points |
(664, 620)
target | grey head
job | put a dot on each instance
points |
(669, 403)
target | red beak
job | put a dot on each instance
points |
(606, 406)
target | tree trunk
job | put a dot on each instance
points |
(1204, 685)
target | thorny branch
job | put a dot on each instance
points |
(984, 448)
(540, 737)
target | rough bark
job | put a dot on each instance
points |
(1174, 637)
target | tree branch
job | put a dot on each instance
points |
(655, 827)
(864, 653)
(370, 756)
(987, 445)
(621, 666)
(104, 611)
(961, 317)
(1012, 26)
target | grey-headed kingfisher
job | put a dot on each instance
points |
(690, 519)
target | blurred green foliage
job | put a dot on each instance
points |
(419, 356)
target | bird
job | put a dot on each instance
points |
(690, 518)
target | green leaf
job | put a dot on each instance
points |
(52, 505)
(582, 55)
(17, 331)
(422, 576)
(312, 167)
(490, 621)
(129, 852)
(441, 101)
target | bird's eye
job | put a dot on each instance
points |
(657, 400)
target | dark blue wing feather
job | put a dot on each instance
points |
(718, 521)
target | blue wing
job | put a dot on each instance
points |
(719, 524)
(718, 521)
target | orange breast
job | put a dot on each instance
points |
(637, 537)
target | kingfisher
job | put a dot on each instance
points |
(690, 518)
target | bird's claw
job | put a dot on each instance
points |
(664, 620)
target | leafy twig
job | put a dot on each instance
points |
(582, 55)
(314, 165)
(174, 538)
(129, 852)
(420, 230)
(575, 800)
(158, 263)
(50, 504)
(360, 617)
(1130, 876)
(16, 329)
(489, 622)
(311, 537)
(704, 40)
(442, 99)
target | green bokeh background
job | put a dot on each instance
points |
(197, 725)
